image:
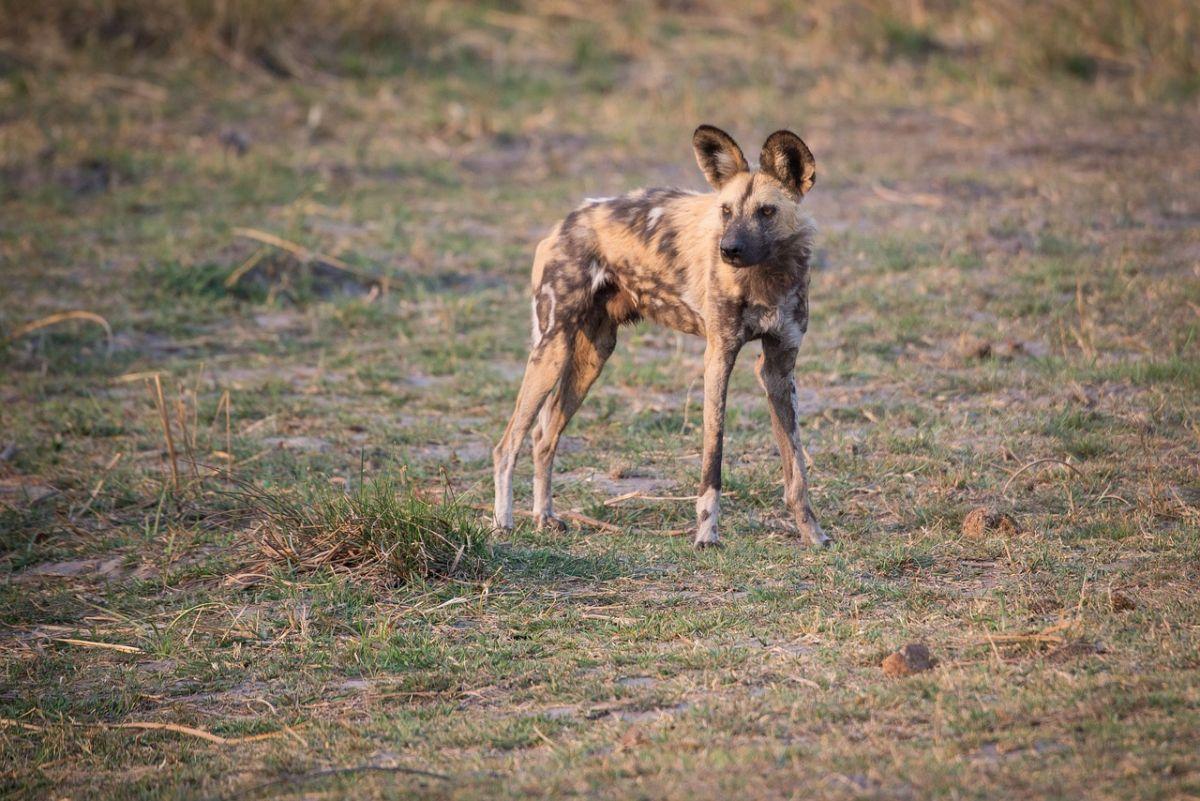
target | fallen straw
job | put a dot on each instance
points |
(302, 254)
(110, 646)
(177, 728)
(59, 317)
(161, 403)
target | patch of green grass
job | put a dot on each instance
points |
(1056, 245)
(20, 528)
(1180, 370)
(407, 651)
(1083, 434)
(890, 253)
(203, 282)
(908, 41)
(547, 563)
(379, 530)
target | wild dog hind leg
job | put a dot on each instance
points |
(593, 344)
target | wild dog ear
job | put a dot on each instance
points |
(786, 157)
(718, 155)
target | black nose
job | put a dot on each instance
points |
(731, 252)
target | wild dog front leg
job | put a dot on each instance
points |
(718, 363)
(775, 374)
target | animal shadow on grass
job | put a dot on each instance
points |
(536, 565)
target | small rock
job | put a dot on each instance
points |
(632, 738)
(1120, 602)
(1008, 350)
(983, 520)
(1076, 648)
(463, 450)
(22, 492)
(637, 681)
(1085, 396)
(560, 712)
(385, 759)
(857, 780)
(75, 567)
(305, 444)
(235, 140)
(619, 470)
(111, 568)
(912, 658)
(974, 348)
(276, 322)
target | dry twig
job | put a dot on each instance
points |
(161, 402)
(1035, 463)
(303, 255)
(110, 646)
(177, 728)
(59, 317)
(915, 198)
(628, 496)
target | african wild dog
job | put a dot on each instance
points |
(729, 266)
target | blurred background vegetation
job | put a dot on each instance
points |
(1149, 49)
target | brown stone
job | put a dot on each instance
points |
(23, 492)
(912, 658)
(1121, 602)
(983, 520)
(633, 739)
(1008, 350)
(972, 348)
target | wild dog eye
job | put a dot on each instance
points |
(726, 212)
(766, 211)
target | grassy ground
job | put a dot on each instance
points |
(1004, 315)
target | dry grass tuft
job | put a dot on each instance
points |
(383, 534)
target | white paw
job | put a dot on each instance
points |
(708, 507)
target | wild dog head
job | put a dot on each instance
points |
(760, 211)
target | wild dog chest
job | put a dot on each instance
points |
(786, 320)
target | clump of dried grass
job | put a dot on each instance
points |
(383, 533)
